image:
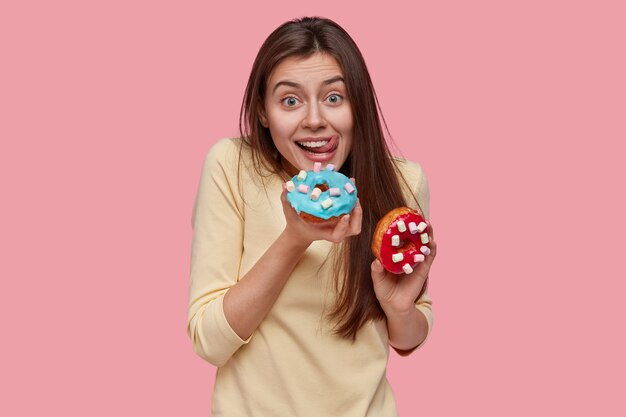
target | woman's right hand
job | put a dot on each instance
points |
(333, 231)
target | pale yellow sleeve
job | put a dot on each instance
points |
(217, 247)
(418, 186)
(424, 303)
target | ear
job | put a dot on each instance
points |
(262, 115)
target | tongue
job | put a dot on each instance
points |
(322, 149)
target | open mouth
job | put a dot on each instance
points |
(319, 146)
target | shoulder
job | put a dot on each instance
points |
(223, 151)
(226, 155)
(415, 183)
(411, 171)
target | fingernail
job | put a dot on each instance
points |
(378, 265)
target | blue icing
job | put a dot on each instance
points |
(342, 204)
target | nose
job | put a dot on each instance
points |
(314, 118)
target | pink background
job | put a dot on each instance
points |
(516, 110)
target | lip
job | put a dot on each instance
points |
(320, 157)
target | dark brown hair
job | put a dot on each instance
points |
(370, 163)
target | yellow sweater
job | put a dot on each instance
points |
(292, 365)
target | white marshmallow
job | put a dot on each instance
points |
(315, 194)
(418, 258)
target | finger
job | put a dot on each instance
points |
(288, 210)
(424, 267)
(433, 250)
(431, 239)
(341, 229)
(378, 271)
(430, 230)
(283, 195)
(357, 219)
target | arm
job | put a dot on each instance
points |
(216, 250)
(409, 319)
(407, 329)
(248, 302)
(224, 309)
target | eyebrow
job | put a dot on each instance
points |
(293, 84)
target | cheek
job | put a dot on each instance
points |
(346, 120)
(282, 123)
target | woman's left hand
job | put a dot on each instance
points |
(398, 293)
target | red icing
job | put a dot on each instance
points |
(410, 244)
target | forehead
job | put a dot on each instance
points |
(315, 67)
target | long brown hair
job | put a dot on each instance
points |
(370, 163)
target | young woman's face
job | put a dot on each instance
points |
(308, 112)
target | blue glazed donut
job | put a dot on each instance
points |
(322, 194)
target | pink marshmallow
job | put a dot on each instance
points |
(304, 189)
(334, 191)
(317, 166)
(349, 187)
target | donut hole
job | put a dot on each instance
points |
(323, 187)
(406, 245)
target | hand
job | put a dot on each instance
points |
(332, 231)
(397, 293)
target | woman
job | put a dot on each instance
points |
(299, 317)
